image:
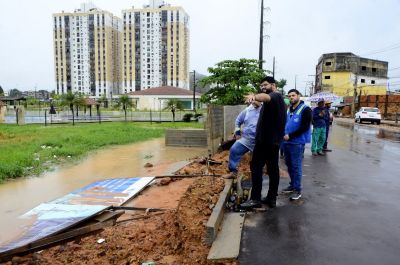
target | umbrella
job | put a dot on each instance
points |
(323, 96)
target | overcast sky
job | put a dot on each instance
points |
(300, 31)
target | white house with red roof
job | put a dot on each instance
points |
(156, 98)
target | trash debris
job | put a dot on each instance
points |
(101, 240)
(148, 263)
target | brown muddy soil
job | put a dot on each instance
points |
(174, 236)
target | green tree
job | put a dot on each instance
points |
(174, 105)
(125, 102)
(15, 93)
(281, 84)
(1, 91)
(79, 101)
(231, 81)
(68, 99)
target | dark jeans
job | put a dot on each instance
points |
(326, 138)
(265, 154)
(294, 162)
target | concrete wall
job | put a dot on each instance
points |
(230, 115)
(186, 137)
(3, 111)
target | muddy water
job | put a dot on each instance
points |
(19, 196)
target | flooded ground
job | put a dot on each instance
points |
(19, 196)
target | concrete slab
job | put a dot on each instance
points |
(217, 215)
(227, 244)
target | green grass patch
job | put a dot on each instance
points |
(31, 149)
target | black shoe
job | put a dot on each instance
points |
(296, 195)
(250, 204)
(288, 189)
(320, 153)
(271, 203)
(326, 150)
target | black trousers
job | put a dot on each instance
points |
(265, 154)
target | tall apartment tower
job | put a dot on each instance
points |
(87, 52)
(155, 47)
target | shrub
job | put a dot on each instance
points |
(187, 116)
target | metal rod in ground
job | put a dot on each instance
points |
(188, 176)
(147, 209)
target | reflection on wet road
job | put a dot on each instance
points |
(349, 213)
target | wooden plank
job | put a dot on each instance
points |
(55, 240)
(227, 244)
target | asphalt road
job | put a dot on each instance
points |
(350, 211)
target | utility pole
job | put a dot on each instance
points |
(273, 68)
(295, 82)
(353, 104)
(260, 52)
(194, 91)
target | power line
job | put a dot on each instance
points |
(388, 48)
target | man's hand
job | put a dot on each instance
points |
(250, 98)
(286, 137)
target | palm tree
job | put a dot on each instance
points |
(68, 99)
(174, 105)
(79, 101)
(125, 101)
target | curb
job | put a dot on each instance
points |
(215, 220)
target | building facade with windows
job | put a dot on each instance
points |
(155, 47)
(337, 73)
(87, 52)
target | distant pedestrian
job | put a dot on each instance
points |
(297, 134)
(269, 135)
(245, 134)
(328, 125)
(319, 129)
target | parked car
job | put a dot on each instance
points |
(368, 114)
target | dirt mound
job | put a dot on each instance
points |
(172, 237)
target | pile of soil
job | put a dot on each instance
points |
(174, 236)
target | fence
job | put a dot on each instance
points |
(388, 105)
(65, 116)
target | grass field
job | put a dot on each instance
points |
(31, 149)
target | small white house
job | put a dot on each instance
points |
(156, 98)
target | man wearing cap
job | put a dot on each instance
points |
(328, 123)
(269, 135)
(319, 129)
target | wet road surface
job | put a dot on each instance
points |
(350, 211)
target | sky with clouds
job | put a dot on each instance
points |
(299, 33)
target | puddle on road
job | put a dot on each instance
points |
(379, 133)
(19, 196)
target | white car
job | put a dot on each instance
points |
(368, 114)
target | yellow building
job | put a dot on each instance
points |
(337, 73)
(155, 47)
(87, 52)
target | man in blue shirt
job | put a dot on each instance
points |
(245, 133)
(297, 134)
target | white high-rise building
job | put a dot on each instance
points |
(155, 47)
(87, 52)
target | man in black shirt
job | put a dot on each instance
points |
(269, 135)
